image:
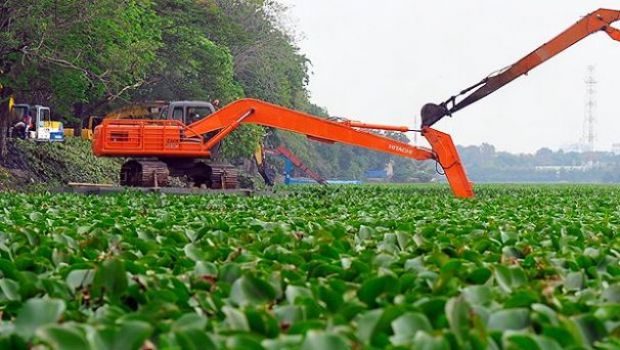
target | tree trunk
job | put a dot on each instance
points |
(83, 111)
(78, 112)
(5, 116)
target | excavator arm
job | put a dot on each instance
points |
(171, 139)
(599, 20)
(262, 113)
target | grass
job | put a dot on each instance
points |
(37, 165)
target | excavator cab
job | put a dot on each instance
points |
(187, 112)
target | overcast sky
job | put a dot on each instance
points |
(380, 61)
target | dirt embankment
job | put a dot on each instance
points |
(31, 164)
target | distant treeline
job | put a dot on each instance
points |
(485, 164)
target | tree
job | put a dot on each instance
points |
(79, 53)
(6, 95)
(267, 63)
(16, 26)
(191, 66)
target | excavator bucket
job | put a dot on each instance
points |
(448, 157)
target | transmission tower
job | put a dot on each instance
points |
(589, 134)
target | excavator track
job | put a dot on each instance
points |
(144, 173)
(224, 177)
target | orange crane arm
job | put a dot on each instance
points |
(266, 114)
(596, 21)
(250, 111)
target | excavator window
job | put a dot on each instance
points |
(177, 114)
(194, 114)
(20, 112)
(45, 115)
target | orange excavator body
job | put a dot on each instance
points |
(169, 139)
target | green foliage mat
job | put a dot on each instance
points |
(44, 164)
(397, 267)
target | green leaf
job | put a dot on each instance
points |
(63, 337)
(229, 273)
(243, 342)
(194, 339)
(367, 324)
(131, 335)
(509, 278)
(36, 313)
(194, 252)
(83, 229)
(204, 268)
(250, 290)
(608, 312)
(373, 327)
(424, 341)
(548, 314)
(263, 323)
(13, 342)
(509, 319)
(10, 289)
(289, 314)
(374, 287)
(589, 329)
(457, 312)
(35, 216)
(366, 232)
(189, 322)
(477, 295)
(79, 278)
(612, 293)
(524, 341)
(521, 298)
(480, 275)
(574, 281)
(434, 309)
(294, 292)
(235, 319)
(324, 341)
(407, 326)
(283, 342)
(110, 279)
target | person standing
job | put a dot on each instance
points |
(27, 124)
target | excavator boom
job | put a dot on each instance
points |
(597, 21)
(167, 139)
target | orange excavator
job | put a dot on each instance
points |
(597, 21)
(160, 148)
